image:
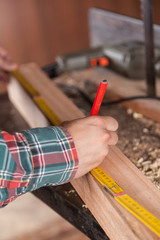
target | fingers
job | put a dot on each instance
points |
(106, 122)
(6, 62)
(3, 52)
(103, 122)
(92, 137)
(111, 138)
(110, 123)
(3, 77)
(104, 128)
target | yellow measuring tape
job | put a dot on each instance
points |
(103, 178)
(126, 201)
(40, 102)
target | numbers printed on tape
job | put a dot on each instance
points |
(126, 201)
(141, 213)
(106, 180)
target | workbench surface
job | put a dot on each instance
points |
(138, 136)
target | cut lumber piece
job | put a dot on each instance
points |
(23, 103)
(116, 221)
(120, 87)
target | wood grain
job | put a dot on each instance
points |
(117, 222)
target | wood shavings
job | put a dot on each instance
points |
(156, 164)
(145, 130)
(129, 111)
(146, 163)
(84, 206)
(137, 115)
(140, 160)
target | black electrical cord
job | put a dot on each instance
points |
(51, 70)
(86, 97)
(130, 99)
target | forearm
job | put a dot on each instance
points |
(35, 158)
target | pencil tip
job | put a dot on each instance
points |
(104, 81)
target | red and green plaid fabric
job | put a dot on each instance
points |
(35, 158)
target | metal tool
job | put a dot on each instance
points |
(127, 58)
(83, 59)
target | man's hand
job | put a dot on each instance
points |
(6, 64)
(92, 137)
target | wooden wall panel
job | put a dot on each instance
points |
(38, 30)
(127, 7)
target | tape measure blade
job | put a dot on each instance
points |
(23, 81)
(126, 201)
(141, 213)
(106, 180)
(52, 117)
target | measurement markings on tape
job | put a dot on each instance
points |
(126, 201)
(141, 213)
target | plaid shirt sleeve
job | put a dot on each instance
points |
(35, 158)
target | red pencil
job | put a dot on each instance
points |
(99, 97)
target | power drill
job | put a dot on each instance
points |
(127, 58)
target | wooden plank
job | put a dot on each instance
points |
(23, 103)
(114, 219)
(121, 87)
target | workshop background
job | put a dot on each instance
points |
(38, 31)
